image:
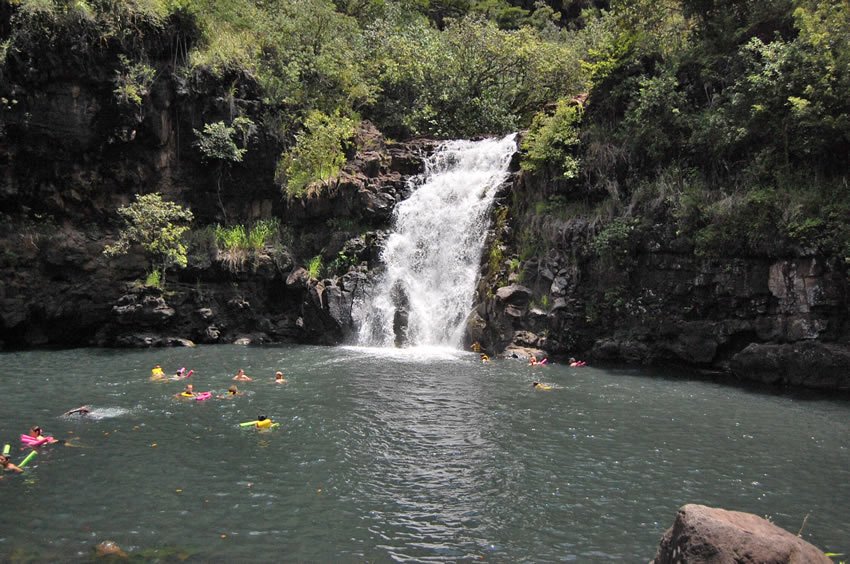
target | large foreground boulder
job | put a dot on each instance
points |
(708, 535)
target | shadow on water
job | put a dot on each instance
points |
(673, 372)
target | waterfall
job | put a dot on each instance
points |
(433, 256)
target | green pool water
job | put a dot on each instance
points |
(418, 455)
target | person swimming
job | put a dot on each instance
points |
(485, 358)
(242, 377)
(263, 422)
(278, 378)
(82, 410)
(35, 432)
(576, 363)
(541, 386)
(157, 373)
(189, 392)
(6, 464)
(232, 392)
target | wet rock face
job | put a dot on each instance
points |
(370, 184)
(807, 363)
(779, 321)
(704, 534)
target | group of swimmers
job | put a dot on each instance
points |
(262, 422)
(532, 361)
(34, 438)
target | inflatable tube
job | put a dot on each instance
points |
(189, 374)
(201, 396)
(26, 460)
(544, 361)
(186, 395)
(32, 441)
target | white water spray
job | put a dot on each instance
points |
(432, 259)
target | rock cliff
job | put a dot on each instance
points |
(649, 298)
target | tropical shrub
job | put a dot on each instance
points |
(157, 226)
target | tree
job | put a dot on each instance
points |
(224, 144)
(155, 224)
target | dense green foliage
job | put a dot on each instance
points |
(441, 68)
(727, 118)
(157, 226)
(318, 152)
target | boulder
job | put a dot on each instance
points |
(524, 353)
(705, 534)
(298, 279)
(514, 295)
(810, 364)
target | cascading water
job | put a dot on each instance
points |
(432, 259)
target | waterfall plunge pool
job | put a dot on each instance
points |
(413, 455)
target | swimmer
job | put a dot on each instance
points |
(576, 363)
(484, 358)
(278, 378)
(189, 392)
(541, 386)
(476, 347)
(36, 433)
(532, 360)
(263, 422)
(232, 392)
(242, 377)
(82, 410)
(7, 465)
(157, 373)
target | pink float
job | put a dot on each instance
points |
(36, 441)
(201, 396)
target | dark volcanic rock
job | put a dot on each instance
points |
(514, 295)
(703, 534)
(142, 310)
(808, 363)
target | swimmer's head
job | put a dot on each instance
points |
(261, 418)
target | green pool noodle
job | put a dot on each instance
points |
(7, 449)
(26, 460)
